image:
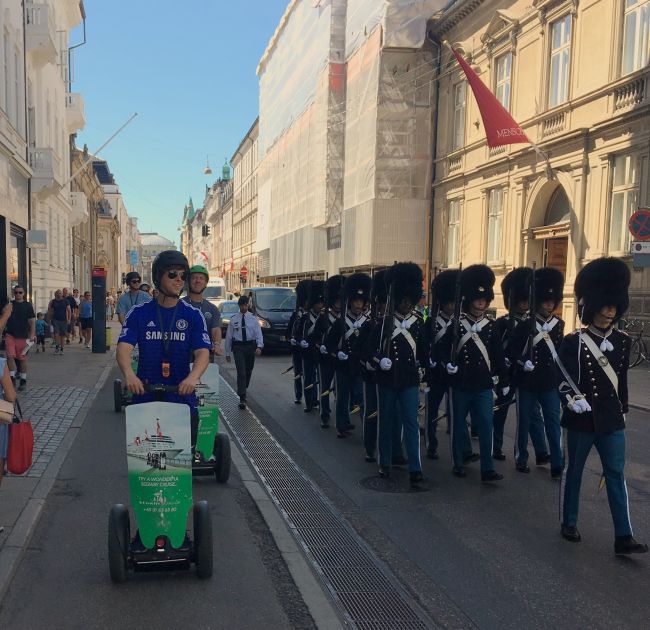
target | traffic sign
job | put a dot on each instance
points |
(243, 272)
(639, 224)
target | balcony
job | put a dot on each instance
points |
(631, 94)
(46, 167)
(40, 33)
(74, 112)
(79, 205)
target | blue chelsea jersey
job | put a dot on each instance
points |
(148, 325)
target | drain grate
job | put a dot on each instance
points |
(367, 595)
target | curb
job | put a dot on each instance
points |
(320, 607)
(16, 544)
(638, 407)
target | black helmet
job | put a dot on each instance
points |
(132, 275)
(166, 260)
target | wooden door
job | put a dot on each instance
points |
(556, 251)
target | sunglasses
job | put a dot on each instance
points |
(135, 282)
(172, 275)
(18, 292)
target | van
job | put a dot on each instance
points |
(216, 291)
(273, 307)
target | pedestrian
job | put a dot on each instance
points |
(74, 313)
(515, 289)
(8, 393)
(326, 364)
(110, 306)
(76, 322)
(154, 293)
(345, 342)
(474, 361)
(593, 364)
(5, 311)
(302, 293)
(303, 329)
(132, 297)
(244, 341)
(86, 317)
(20, 336)
(146, 288)
(532, 353)
(397, 349)
(197, 283)
(40, 331)
(443, 288)
(59, 313)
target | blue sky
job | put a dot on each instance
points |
(188, 69)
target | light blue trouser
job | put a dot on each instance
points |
(395, 404)
(532, 424)
(349, 389)
(549, 401)
(479, 404)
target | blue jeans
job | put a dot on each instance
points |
(393, 405)
(529, 423)
(370, 418)
(309, 381)
(326, 374)
(434, 398)
(296, 360)
(479, 404)
(611, 448)
(349, 391)
(549, 401)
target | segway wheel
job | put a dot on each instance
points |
(117, 395)
(118, 543)
(221, 458)
(203, 540)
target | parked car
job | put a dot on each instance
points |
(227, 308)
(273, 307)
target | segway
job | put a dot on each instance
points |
(159, 459)
(212, 452)
(121, 395)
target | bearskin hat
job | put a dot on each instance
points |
(477, 281)
(405, 280)
(334, 289)
(316, 292)
(302, 293)
(358, 285)
(549, 285)
(379, 287)
(602, 282)
(515, 286)
(443, 287)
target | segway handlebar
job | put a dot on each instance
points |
(160, 388)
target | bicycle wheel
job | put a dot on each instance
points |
(637, 352)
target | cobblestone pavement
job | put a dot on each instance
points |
(51, 411)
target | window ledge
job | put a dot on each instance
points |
(496, 264)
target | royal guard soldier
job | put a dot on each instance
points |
(593, 363)
(442, 291)
(515, 289)
(532, 352)
(329, 315)
(345, 342)
(475, 364)
(302, 293)
(398, 346)
(308, 350)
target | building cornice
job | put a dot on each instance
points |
(451, 16)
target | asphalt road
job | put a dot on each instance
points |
(492, 551)
(63, 580)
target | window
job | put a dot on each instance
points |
(18, 119)
(458, 137)
(636, 35)
(453, 232)
(503, 74)
(560, 61)
(495, 221)
(5, 68)
(625, 191)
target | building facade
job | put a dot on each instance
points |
(152, 244)
(576, 78)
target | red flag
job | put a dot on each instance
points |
(500, 127)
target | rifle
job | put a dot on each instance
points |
(457, 305)
(532, 332)
(387, 331)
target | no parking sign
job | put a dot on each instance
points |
(639, 224)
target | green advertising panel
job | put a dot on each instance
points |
(159, 461)
(208, 427)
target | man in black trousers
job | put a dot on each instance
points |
(244, 341)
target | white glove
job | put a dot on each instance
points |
(507, 362)
(579, 405)
(529, 366)
(304, 344)
(342, 356)
(432, 364)
(385, 364)
(451, 368)
(323, 350)
(421, 374)
(505, 391)
(293, 342)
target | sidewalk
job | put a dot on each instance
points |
(60, 390)
(638, 382)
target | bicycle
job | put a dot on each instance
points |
(639, 348)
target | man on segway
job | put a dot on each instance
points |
(170, 334)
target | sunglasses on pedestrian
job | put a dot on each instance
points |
(135, 282)
(172, 275)
(18, 292)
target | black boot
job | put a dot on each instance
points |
(542, 459)
(499, 456)
(458, 471)
(370, 458)
(624, 545)
(522, 468)
(416, 481)
(399, 460)
(570, 533)
(470, 457)
(384, 472)
(491, 475)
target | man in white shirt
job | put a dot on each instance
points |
(244, 341)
